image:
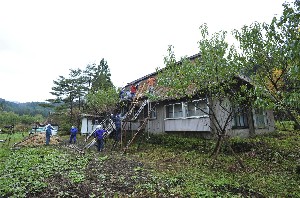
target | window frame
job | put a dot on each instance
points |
(260, 114)
(184, 109)
(203, 114)
(244, 116)
(173, 112)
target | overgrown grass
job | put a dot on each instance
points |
(179, 167)
(26, 170)
(271, 165)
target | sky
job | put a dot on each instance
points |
(41, 40)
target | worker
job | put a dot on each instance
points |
(132, 90)
(99, 135)
(121, 94)
(73, 132)
(150, 83)
(49, 129)
(128, 95)
(117, 120)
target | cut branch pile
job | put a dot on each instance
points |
(38, 140)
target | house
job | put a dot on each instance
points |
(89, 123)
(190, 115)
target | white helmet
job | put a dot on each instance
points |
(98, 127)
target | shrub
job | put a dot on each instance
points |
(182, 143)
(285, 125)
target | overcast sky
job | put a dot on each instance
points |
(41, 40)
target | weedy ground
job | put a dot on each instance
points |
(156, 166)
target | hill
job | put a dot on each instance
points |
(28, 108)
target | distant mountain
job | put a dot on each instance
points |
(27, 108)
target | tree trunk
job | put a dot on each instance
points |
(216, 150)
(71, 109)
(217, 147)
(235, 155)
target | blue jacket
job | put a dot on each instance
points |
(49, 129)
(99, 134)
(117, 120)
(74, 131)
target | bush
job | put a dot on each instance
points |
(285, 125)
(64, 129)
(181, 143)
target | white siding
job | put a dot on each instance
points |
(194, 124)
(87, 126)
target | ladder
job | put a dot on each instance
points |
(91, 143)
(134, 118)
(109, 130)
(140, 110)
(101, 123)
(135, 101)
(140, 128)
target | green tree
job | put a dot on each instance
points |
(99, 76)
(213, 76)
(69, 91)
(102, 96)
(9, 118)
(102, 101)
(270, 53)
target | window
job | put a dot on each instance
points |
(174, 110)
(169, 111)
(259, 118)
(95, 121)
(178, 110)
(240, 119)
(197, 108)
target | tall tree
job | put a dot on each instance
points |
(102, 96)
(99, 76)
(271, 54)
(214, 76)
(67, 90)
(72, 91)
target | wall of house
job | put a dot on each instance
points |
(161, 124)
(222, 115)
(269, 121)
(221, 111)
(131, 126)
(238, 133)
(193, 124)
(157, 125)
(243, 133)
(87, 126)
(154, 125)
